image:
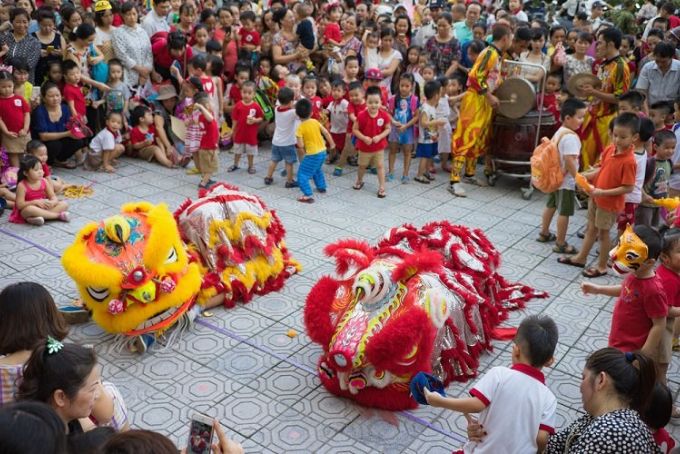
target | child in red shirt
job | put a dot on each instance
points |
(73, 91)
(669, 275)
(371, 128)
(309, 88)
(639, 317)
(248, 38)
(552, 87)
(242, 76)
(206, 157)
(246, 117)
(143, 137)
(15, 119)
(332, 35)
(356, 106)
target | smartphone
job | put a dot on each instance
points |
(50, 49)
(200, 434)
(177, 65)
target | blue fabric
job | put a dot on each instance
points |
(427, 150)
(311, 167)
(421, 381)
(42, 123)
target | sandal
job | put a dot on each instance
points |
(565, 249)
(543, 238)
(567, 260)
(591, 273)
(232, 169)
(381, 194)
(358, 186)
(422, 179)
(268, 180)
(251, 170)
(305, 199)
(65, 165)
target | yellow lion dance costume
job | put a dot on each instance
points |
(142, 271)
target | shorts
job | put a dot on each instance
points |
(286, 153)
(206, 161)
(563, 201)
(339, 139)
(666, 345)
(627, 217)
(602, 219)
(427, 150)
(15, 145)
(147, 153)
(93, 161)
(649, 216)
(244, 148)
(371, 158)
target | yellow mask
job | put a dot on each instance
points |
(629, 253)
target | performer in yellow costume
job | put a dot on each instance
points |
(615, 76)
(472, 134)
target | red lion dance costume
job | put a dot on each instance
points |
(421, 300)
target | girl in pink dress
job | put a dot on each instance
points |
(35, 200)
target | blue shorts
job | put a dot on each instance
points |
(402, 138)
(427, 150)
(284, 153)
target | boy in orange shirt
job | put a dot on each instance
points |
(614, 178)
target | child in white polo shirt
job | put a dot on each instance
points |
(515, 407)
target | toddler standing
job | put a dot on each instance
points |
(15, 119)
(284, 141)
(339, 118)
(245, 117)
(206, 156)
(36, 201)
(404, 110)
(656, 185)
(428, 131)
(310, 140)
(73, 93)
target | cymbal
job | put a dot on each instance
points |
(517, 97)
(578, 81)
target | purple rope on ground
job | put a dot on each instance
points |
(32, 243)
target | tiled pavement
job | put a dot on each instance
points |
(240, 366)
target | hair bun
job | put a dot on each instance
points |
(630, 357)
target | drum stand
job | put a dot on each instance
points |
(497, 163)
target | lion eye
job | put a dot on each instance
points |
(98, 294)
(172, 256)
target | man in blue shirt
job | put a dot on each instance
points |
(463, 29)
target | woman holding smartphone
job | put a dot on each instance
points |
(52, 44)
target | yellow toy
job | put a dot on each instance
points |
(669, 203)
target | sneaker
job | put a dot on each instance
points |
(291, 184)
(269, 180)
(457, 189)
(38, 220)
(405, 179)
(232, 168)
(429, 176)
(390, 177)
(65, 216)
(337, 172)
(142, 343)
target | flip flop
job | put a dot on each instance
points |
(65, 165)
(592, 273)
(305, 199)
(542, 238)
(358, 187)
(565, 249)
(566, 260)
(381, 194)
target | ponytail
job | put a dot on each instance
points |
(633, 374)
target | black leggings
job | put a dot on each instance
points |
(62, 149)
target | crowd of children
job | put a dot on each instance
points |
(344, 84)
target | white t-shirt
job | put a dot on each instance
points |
(286, 123)
(371, 58)
(675, 176)
(428, 135)
(569, 145)
(518, 405)
(641, 163)
(385, 62)
(105, 140)
(339, 116)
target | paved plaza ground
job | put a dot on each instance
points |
(240, 365)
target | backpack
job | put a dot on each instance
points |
(546, 171)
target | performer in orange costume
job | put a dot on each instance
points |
(615, 76)
(472, 134)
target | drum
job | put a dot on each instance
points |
(515, 139)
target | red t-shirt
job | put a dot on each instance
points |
(332, 32)
(12, 112)
(137, 136)
(209, 133)
(664, 441)
(245, 133)
(251, 37)
(355, 109)
(317, 105)
(640, 301)
(163, 58)
(670, 280)
(235, 93)
(46, 170)
(372, 127)
(75, 94)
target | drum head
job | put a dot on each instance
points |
(577, 81)
(517, 97)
